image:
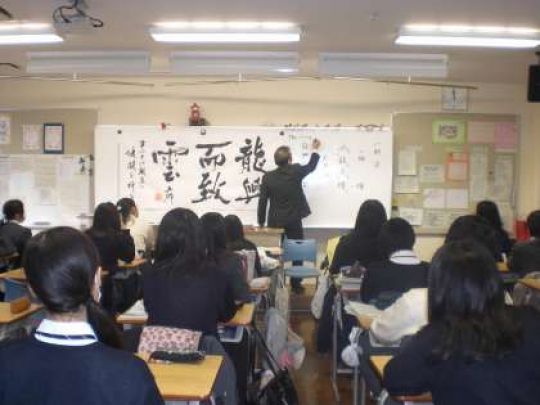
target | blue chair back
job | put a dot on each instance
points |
(14, 290)
(299, 250)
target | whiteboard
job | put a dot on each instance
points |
(55, 189)
(220, 169)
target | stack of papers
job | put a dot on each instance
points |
(359, 308)
(137, 309)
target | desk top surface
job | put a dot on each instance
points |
(7, 317)
(531, 282)
(16, 274)
(186, 382)
(243, 317)
(379, 363)
(252, 230)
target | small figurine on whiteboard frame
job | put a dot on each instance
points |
(195, 118)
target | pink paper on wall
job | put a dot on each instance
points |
(506, 137)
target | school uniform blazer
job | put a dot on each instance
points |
(525, 257)
(112, 247)
(354, 248)
(17, 235)
(283, 188)
(513, 378)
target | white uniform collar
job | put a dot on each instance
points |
(65, 333)
(404, 257)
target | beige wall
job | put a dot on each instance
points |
(278, 103)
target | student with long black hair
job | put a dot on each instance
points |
(236, 240)
(11, 231)
(475, 349)
(139, 230)
(184, 288)
(361, 244)
(72, 358)
(490, 212)
(112, 243)
(227, 262)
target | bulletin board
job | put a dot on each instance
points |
(220, 169)
(445, 163)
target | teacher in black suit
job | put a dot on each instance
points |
(288, 203)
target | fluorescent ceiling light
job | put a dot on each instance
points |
(381, 65)
(233, 63)
(469, 36)
(93, 62)
(15, 33)
(225, 32)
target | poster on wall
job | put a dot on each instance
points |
(53, 138)
(5, 130)
(31, 137)
(448, 132)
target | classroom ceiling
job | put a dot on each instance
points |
(328, 26)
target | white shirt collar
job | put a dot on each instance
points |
(65, 333)
(404, 257)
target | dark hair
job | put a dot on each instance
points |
(106, 218)
(396, 234)
(12, 208)
(214, 229)
(181, 241)
(124, 206)
(533, 223)
(282, 155)
(473, 227)
(489, 210)
(466, 298)
(60, 265)
(234, 231)
(371, 217)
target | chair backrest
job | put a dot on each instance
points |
(14, 290)
(299, 250)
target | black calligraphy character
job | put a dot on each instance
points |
(245, 156)
(169, 158)
(251, 190)
(210, 159)
(82, 165)
(247, 153)
(169, 195)
(209, 189)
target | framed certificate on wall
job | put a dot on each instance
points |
(53, 138)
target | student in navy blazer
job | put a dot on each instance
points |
(73, 356)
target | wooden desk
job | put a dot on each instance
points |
(264, 236)
(186, 382)
(503, 267)
(531, 283)
(17, 275)
(135, 263)
(243, 317)
(379, 363)
(6, 317)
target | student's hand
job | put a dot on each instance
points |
(316, 144)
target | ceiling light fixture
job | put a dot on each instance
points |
(215, 32)
(380, 65)
(92, 62)
(469, 36)
(16, 33)
(234, 63)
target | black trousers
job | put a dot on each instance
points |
(295, 230)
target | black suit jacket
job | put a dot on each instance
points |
(17, 235)
(283, 187)
(525, 257)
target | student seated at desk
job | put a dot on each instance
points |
(228, 263)
(490, 212)
(183, 288)
(525, 256)
(475, 350)
(112, 243)
(140, 231)
(360, 245)
(11, 230)
(236, 241)
(73, 356)
(402, 270)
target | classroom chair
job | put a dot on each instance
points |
(14, 290)
(300, 250)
